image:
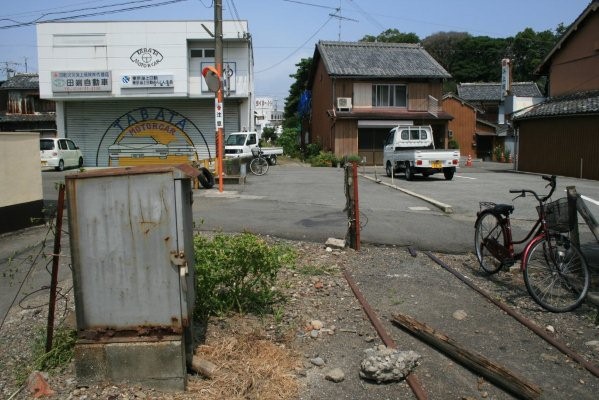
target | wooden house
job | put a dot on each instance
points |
(561, 135)
(361, 90)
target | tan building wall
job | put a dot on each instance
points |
(21, 177)
(21, 197)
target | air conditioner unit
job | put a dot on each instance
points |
(344, 103)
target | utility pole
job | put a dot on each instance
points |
(219, 109)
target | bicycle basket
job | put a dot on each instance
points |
(556, 215)
(255, 151)
(484, 205)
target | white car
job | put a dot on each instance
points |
(60, 154)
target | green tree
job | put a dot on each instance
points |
(479, 59)
(291, 117)
(269, 134)
(527, 50)
(443, 47)
(392, 36)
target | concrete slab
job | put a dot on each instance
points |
(158, 364)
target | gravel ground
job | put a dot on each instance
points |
(393, 282)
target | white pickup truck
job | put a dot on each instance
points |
(411, 149)
(240, 144)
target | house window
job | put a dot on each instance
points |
(389, 96)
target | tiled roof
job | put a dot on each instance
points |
(379, 60)
(491, 91)
(22, 81)
(572, 104)
(39, 117)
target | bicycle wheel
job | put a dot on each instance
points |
(259, 166)
(488, 237)
(556, 274)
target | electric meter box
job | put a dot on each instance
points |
(131, 236)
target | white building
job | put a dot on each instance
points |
(267, 113)
(132, 92)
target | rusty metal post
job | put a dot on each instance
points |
(55, 264)
(573, 215)
(356, 219)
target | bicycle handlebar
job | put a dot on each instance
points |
(550, 179)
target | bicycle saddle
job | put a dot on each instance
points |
(504, 209)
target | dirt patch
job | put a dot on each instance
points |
(322, 327)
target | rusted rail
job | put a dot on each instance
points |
(593, 369)
(412, 380)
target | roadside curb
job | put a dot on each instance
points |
(446, 208)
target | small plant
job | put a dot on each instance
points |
(63, 348)
(237, 273)
(323, 159)
(507, 153)
(498, 153)
(453, 144)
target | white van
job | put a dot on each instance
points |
(60, 154)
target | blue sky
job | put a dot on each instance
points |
(286, 31)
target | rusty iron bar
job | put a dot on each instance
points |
(356, 207)
(412, 379)
(55, 264)
(593, 369)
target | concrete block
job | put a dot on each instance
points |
(158, 364)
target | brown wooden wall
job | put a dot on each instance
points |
(418, 93)
(560, 146)
(463, 124)
(322, 101)
(346, 137)
(574, 67)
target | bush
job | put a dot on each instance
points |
(312, 150)
(453, 144)
(289, 141)
(237, 273)
(323, 159)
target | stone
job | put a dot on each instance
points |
(316, 324)
(550, 329)
(37, 384)
(335, 375)
(319, 362)
(388, 365)
(314, 333)
(203, 367)
(460, 315)
(338, 243)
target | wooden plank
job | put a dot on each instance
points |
(497, 374)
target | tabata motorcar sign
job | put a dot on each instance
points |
(146, 57)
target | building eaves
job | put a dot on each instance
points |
(543, 68)
(22, 81)
(367, 60)
(582, 103)
(38, 117)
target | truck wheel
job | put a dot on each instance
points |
(206, 178)
(409, 173)
(272, 160)
(388, 169)
(448, 173)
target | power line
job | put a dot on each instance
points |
(93, 14)
(297, 49)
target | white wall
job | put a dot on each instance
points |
(20, 168)
(110, 46)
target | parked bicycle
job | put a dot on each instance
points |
(555, 271)
(259, 164)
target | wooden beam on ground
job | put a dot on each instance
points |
(494, 373)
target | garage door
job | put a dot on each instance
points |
(370, 144)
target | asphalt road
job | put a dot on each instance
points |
(303, 203)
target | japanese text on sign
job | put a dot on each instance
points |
(81, 81)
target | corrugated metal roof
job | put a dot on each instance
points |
(491, 91)
(22, 81)
(379, 60)
(572, 104)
